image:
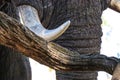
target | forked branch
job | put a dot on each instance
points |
(20, 38)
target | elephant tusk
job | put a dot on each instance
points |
(50, 35)
(29, 17)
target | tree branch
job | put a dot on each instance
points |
(20, 38)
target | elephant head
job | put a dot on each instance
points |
(46, 53)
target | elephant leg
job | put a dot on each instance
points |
(13, 65)
(76, 75)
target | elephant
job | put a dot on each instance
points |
(84, 33)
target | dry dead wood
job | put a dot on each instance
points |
(20, 38)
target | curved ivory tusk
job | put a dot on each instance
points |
(29, 17)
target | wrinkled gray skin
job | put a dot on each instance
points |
(83, 35)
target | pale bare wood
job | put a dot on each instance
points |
(116, 73)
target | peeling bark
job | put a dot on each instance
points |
(16, 36)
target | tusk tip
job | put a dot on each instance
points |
(68, 22)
